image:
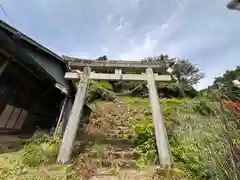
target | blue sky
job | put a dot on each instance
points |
(204, 31)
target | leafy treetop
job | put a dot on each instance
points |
(225, 85)
(102, 58)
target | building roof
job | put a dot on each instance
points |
(39, 60)
(24, 37)
(234, 5)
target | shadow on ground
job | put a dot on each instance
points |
(11, 143)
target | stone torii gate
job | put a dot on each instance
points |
(85, 76)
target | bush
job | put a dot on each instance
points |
(100, 90)
(105, 84)
(137, 88)
(145, 140)
(170, 90)
(199, 142)
(40, 151)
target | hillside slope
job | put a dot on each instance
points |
(109, 152)
(119, 143)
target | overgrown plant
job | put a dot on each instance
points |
(203, 139)
(40, 150)
(100, 90)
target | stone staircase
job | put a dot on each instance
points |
(108, 152)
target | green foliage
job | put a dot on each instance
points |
(183, 69)
(165, 90)
(102, 58)
(144, 129)
(162, 60)
(104, 84)
(170, 90)
(162, 57)
(36, 161)
(131, 73)
(133, 100)
(40, 151)
(225, 85)
(187, 72)
(210, 94)
(190, 156)
(204, 108)
(33, 155)
(100, 90)
(198, 141)
(138, 90)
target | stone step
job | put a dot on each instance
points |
(115, 142)
(121, 163)
(116, 135)
(118, 131)
(124, 154)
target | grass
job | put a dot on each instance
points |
(133, 100)
(201, 137)
(98, 151)
(36, 161)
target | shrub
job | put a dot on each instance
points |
(169, 90)
(144, 129)
(105, 84)
(100, 90)
(200, 136)
(40, 151)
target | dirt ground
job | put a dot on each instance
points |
(104, 154)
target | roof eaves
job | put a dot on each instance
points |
(234, 5)
(33, 43)
(12, 30)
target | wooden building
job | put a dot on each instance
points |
(32, 84)
(234, 5)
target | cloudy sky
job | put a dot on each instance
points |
(203, 31)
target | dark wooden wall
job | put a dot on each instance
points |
(19, 88)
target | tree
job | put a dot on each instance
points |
(162, 57)
(102, 58)
(182, 69)
(166, 62)
(225, 84)
(186, 72)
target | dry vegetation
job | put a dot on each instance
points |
(109, 153)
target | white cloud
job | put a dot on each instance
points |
(119, 27)
(109, 18)
(105, 50)
(121, 24)
(149, 45)
(202, 35)
(76, 53)
(131, 42)
(136, 1)
(164, 26)
(141, 51)
(152, 38)
(198, 30)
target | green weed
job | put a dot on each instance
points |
(40, 151)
